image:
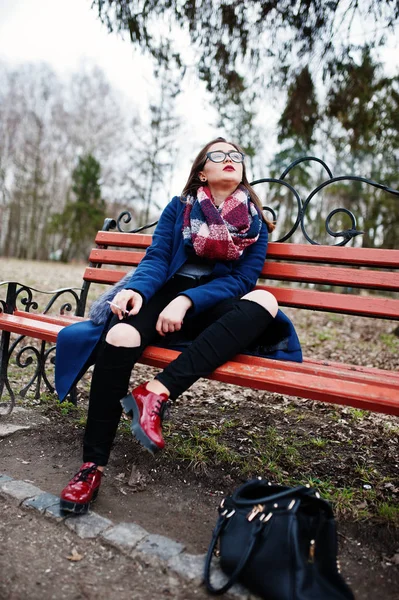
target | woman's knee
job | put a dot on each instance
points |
(265, 299)
(124, 335)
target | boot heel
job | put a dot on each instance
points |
(128, 405)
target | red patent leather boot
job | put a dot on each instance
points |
(147, 410)
(81, 490)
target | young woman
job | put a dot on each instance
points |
(196, 281)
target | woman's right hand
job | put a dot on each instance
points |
(127, 300)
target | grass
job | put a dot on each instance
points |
(357, 414)
(389, 512)
(323, 336)
(391, 428)
(198, 448)
(336, 318)
(50, 405)
(318, 442)
(284, 459)
(366, 474)
(281, 459)
(390, 340)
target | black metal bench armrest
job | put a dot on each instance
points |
(20, 293)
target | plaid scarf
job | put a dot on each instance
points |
(224, 233)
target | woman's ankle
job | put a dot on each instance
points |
(157, 387)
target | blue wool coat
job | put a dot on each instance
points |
(77, 344)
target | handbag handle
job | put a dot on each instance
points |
(243, 560)
(301, 490)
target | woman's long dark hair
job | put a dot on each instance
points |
(194, 182)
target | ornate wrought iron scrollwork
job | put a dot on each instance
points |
(36, 356)
(269, 209)
(347, 234)
(298, 161)
(6, 408)
(66, 306)
(27, 302)
(126, 217)
(23, 362)
(46, 357)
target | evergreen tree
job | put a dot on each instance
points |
(357, 132)
(84, 210)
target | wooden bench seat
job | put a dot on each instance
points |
(369, 389)
(351, 281)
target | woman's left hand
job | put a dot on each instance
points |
(171, 318)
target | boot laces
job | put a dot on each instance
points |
(85, 474)
(161, 409)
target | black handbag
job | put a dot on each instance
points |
(279, 542)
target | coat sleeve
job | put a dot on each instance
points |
(152, 272)
(239, 282)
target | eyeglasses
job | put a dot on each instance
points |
(218, 156)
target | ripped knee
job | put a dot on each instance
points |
(124, 335)
(265, 299)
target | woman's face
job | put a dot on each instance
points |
(226, 172)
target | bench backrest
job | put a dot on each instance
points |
(347, 270)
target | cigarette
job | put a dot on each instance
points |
(116, 306)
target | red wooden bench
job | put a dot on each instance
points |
(372, 275)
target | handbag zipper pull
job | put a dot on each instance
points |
(311, 551)
(258, 508)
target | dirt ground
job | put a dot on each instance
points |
(169, 496)
(40, 569)
(218, 436)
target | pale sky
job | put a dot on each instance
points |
(65, 32)
(62, 33)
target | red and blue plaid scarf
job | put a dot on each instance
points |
(220, 233)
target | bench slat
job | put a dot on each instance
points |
(283, 272)
(367, 306)
(360, 395)
(115, 257)
(25, 326)
(371, 257)
(102, 275)
(362, 306)
(56, 319)
(379, 374)
(339, 276)
(337, 370)
(123, 240)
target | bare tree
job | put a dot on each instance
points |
(46, 124)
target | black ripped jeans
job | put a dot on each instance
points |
(219, 334)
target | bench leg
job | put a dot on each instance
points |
(73, 396)
(24, 357)
(41, 356)
(6, 408)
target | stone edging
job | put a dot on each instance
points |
(129, 538)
